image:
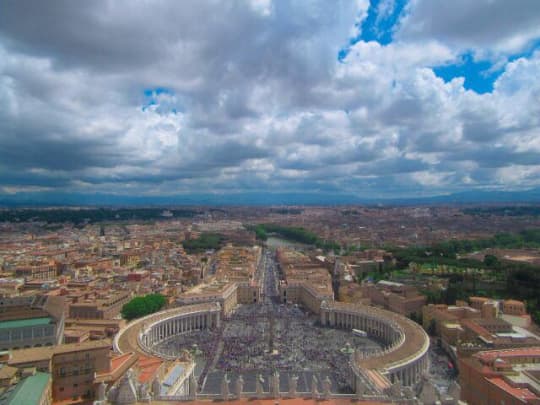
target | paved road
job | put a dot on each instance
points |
(269, 278)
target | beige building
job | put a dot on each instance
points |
(227, 294)
(465, 330)
(304, 281)
(46, 271)
(396, 297)
(31, 321)
(95, 306)
(74, 367)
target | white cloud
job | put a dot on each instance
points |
(489, 27)
(255, 100)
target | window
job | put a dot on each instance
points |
(62, 372)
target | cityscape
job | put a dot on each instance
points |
(263, 202)
(349, 303)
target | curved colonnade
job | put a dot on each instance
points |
(143, 334)
(404, 357)
(406, 344)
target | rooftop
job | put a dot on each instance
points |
(148, 366)
(47, 352)
(22, 323)
(30, 390)
(521, 393)
(491, 355)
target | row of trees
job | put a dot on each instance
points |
(141, 306)
(511, 211)
(295, 234)
(446, 252)
(522, 279)
(529, 238)
(204, 242)
(91, 215)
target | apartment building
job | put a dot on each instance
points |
(396, 297)
(47, 271)
(304, 281)
(99, 306)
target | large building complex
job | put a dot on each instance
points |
(465, 329)
(396, 297)
(98, 305)
(31, 321)
(501, 377)
(303, 281)
(76, 368)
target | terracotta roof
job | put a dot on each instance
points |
(119, 365)
(491, 355)
(479, 330)
(148, 366)
(519, 393)
(118, 360)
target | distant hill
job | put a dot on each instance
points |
(471, 197)
(259, 198)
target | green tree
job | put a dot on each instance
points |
(141, 306)
(204, 242)
(491, 260)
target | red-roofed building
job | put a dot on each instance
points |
(149, 368)
(501, 377)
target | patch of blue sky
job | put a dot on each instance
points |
(157, 91)
(378, 25)
(480, 75)
(151, 97)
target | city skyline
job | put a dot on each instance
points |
(329, 102)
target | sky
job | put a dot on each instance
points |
(380, 98)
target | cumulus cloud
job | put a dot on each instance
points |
(179, 97)
(486, 26)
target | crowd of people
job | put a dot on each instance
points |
(272, 336)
